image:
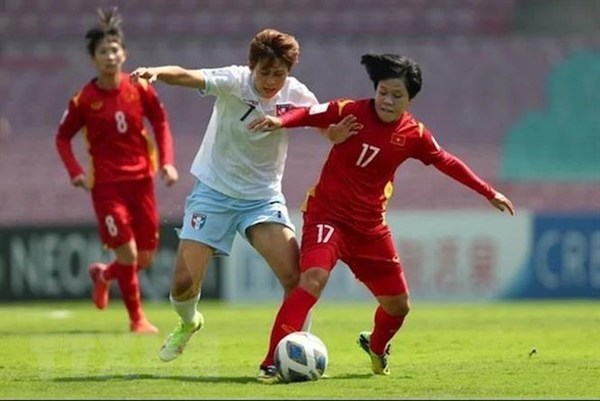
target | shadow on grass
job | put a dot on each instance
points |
(199, 379)
(54, 332)
(351, 376)
(348, 376)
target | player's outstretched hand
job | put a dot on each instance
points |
(264, 124)
(169, 174)
(80, 182)
(344, 129)
(143, 72)
(502, 203)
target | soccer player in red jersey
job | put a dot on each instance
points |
(344, 215)
(110, 110)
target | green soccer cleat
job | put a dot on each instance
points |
(379, 363)
(269, 375)
(178, 339)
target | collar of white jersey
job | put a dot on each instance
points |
(250, 96)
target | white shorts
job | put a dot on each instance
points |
(213, 218)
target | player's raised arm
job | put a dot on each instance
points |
(265, 124)
(171, 75)
(324, 116)
(296, 117)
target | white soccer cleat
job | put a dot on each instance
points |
(379, 363)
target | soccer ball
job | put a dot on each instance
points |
(300, 356)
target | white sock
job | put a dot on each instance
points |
(308, 322)
(186, 309)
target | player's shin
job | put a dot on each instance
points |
(307, 325)
(386, 326)
(130, 291)
(292, 314)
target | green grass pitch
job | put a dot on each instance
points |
(69, 350)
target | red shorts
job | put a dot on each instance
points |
(126, 210)
(373, 259)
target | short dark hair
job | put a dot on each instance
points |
(387, 66)
(109, 25)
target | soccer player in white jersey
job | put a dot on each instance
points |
(239, 173)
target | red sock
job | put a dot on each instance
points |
(111, 271)
(290, 318)
(130, 290)
(386, 326)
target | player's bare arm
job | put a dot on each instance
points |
(171, 75)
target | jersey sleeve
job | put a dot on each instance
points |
(222, 81)
(157, 115)
(71, 122)
(301, 96)
(455, 168)
(428, 151)
(320, 115)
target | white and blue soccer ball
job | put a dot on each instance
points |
(301, 356)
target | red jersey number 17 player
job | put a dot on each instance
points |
(110, 111)
(361, 171)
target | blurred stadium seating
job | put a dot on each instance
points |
(478, 82)
(47, 18)
(561, 141)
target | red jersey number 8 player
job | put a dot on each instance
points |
(110, 111)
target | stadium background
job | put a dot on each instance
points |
(510, 86)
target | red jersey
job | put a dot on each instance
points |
(113, 125)
(357, 178)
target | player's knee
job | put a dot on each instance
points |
(403, 309)
(289, 280)
(400, 307)
(145, 260)
(314, 280)
(395, 306)
(127, 254)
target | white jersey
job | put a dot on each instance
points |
(233, 160)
